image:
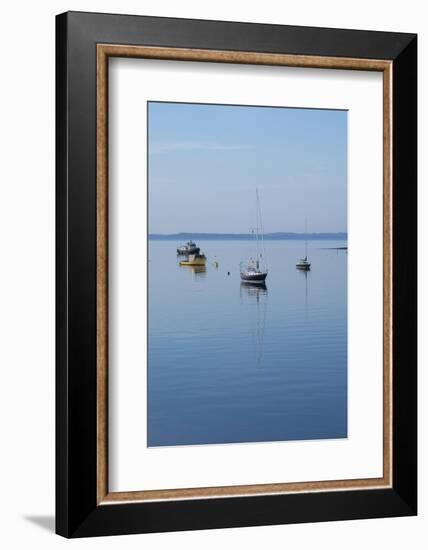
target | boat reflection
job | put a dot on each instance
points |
(196, 270)
(253, 289)
(305, 274)
(256, 295)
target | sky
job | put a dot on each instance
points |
(206, 161)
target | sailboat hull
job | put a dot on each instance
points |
(303, 265)
(255, 278)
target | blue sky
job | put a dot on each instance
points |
(205, 162)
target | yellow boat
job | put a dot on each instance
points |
(195, 259)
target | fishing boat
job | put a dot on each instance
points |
(189, 248)
(304, 263)
(195, 260)
(255, 270)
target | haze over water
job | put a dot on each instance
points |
(232, 363)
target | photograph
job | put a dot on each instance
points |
(213, 256)
(247, 274)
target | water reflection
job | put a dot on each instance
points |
(197, 271)
(306, 275)
(218, 331)
(252, 289)
(256, 294)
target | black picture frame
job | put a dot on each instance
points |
(77, 511)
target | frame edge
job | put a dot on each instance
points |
(405, 274)
(103, 520)
(61, 267)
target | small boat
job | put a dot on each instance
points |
(195, 260)
(189, 248)
(303, 263)
(253, 272)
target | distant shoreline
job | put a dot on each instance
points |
(248, 236)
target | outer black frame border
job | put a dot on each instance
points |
(77, 513)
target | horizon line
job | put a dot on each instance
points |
(238, 233)
(280, 235)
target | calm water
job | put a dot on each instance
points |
(232, 363)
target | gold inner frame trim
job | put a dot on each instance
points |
(104, 51)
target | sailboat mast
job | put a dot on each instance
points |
(306, 238)
(257, 227)
(260, 227)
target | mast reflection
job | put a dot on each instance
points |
(256, 294)
(305, 274)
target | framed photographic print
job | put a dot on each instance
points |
(236, 274)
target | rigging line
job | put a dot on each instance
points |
(306, 238)
(259, 214)
(257, 228)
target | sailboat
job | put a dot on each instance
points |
(303, 263)
(255, 271)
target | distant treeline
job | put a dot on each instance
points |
(248, 236)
